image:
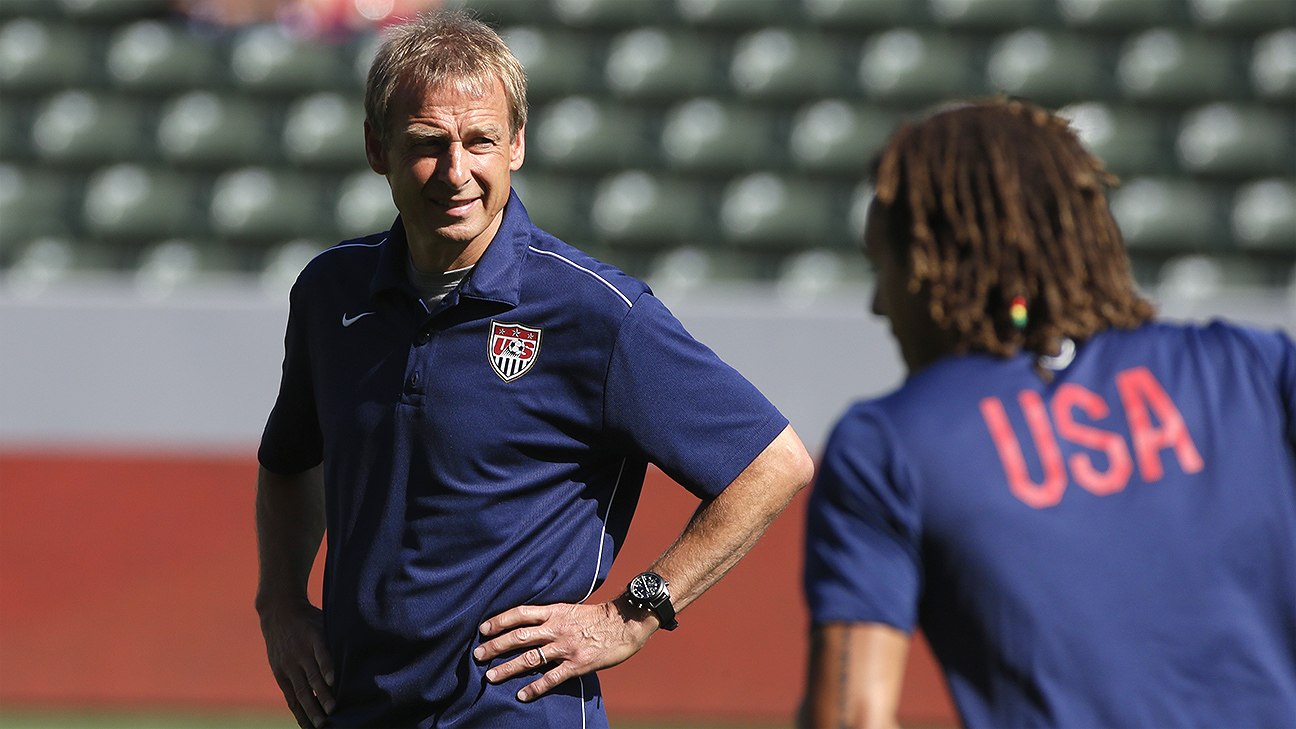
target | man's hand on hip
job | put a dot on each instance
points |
(563, 640)
(301, 664)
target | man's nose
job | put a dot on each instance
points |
(454, 165)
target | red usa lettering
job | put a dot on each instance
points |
(1143, 400)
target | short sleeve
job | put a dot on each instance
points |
(292, 442)
(862, 558)
(1277, 354)
(671, 399)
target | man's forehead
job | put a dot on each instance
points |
(411, 97)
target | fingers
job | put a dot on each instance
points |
(521, 615)
(320, 677)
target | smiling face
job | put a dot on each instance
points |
(448, 159)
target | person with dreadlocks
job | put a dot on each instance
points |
(1090, 513)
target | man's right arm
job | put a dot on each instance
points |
(290, 524)
(855, 673)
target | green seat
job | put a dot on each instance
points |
(765, 210)
(1239, 141)
(557, 62)
(734, 13)
(1264, 215)
(268, 59)
(707, 135)
(553, 202)
(986, 14)
(80, 128)
(636, 208)
(129, 202)
(1051, 69)
(1115, 14)
(37, 56)
(652, 63)
(858, 14)
(174, 263)
(28, 9)
(258, 206)
(1273, 65)
(282, 264)
(202, 128)
(904, 65)
(325, 130)
(1167, 66)
(608, 13)
(579, 133)
(838, 137)
(14, 134)
(113, 10)
(1127, 139)
(1242, 14)
(1167, 214)
(33, 203)
(363, 206)
(777, 64)
(497, 12)
(151, 55)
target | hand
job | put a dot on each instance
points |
(576, 640)
(301, 664)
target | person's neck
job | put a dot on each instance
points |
(432, 253)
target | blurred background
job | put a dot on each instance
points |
(167, 167)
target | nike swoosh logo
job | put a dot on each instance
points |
(348, 321)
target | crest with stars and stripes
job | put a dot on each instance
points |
(513, 349)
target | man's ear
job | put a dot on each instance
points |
(375, 152)
(517, 149)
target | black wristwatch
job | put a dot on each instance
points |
(647, 591)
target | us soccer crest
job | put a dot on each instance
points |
(513, 349)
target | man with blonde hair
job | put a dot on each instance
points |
(467, 411)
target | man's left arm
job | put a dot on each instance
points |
(575, 639)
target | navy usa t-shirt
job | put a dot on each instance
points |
(486, 454)
(1114, 549)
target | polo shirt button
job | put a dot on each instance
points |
(413, 380)
(422, 338)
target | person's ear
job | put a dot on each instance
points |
(375, 150)
(517, 149)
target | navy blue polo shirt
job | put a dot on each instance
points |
(486, 454)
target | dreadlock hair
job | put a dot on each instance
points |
(1002, 217)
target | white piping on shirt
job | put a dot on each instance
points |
(579, 267)
(602, 534)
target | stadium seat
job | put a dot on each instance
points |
(764, 210)
(857, 14)
(1273, 65)
(177, 262)
(1048, 68)
(1223, 139)
(267, 59)
(837, 137)
(28, 9)
(80, 128)
(151, 55)
(1115, 14)
(986, 13)
(37, 56)
(775, 63)
(608, 13)
(254, 205)
(325, 130)
(40, 263)
(1243, 14)
(1127, 139)
(33, 203)
(810, 276)
(364, 205)
(113, 10)
(1264, 215)
(652, 63)
(282, 264)
(739, 13)
(579, 133)
(555, 203)
(706, 135)
(201, 128)
(129, 202)
(14, 137)
(1163, 65)
(499, 12)
(904, 65)
(1168, 214)
(557, 62)
(636, 208)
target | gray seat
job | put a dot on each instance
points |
(151, 55)
(986, 14)
(33, 203)
(1048, 68)
(40, 56)
(579, 133)
(707, 135)
(775, 63)
(129, 202)
(607, 13)
(504, 11)
(1168, 214)
(1242, 141)
(838, 137)
(202, 128)
(637, 208)
(858, 14)
(80, 128)
(1273, 65)
(1242, 14)
(14, 131)
(1167, 66)
(1264, 215)
(554, 203)
(1127, 139)
(652, 63)
(113, 10)
(267, 59)
(764, 210)
(904, 65)
(1115, 14)
(734, 13)
(175, 263)
(557, 62)
(325, 130)
(363, 206)
(258, 206)
(28, 9)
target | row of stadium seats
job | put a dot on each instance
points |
(130, 206)
(1223, 14)
(659, 64)
(81, 130)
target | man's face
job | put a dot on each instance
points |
(447, 158)
(921, 340)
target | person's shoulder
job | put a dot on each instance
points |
(1216, 335)
(565, 270)
(346, 259)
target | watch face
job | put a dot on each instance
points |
(645, 586)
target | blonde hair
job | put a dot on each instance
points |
(443, 48)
